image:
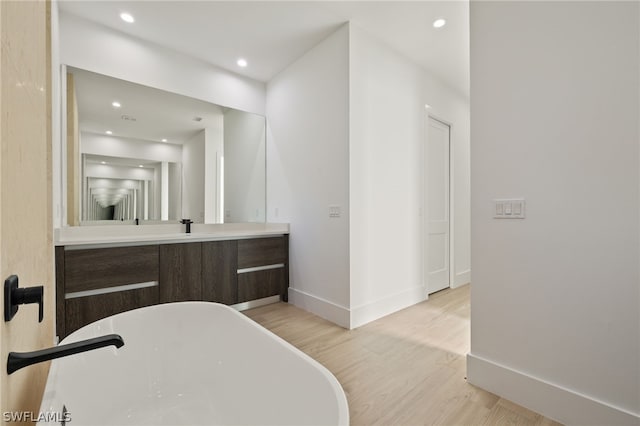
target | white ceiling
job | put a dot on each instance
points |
(273, 34)
(158, 114)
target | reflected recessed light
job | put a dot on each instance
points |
(427, 106)
(439, 23)
(109, 132)
(242, 62)
(116, 104)
(103, 162)
(126, 17)
(164, 140)
(140, 165)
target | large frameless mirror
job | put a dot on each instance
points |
(135, 153)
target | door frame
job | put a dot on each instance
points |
(425, 218)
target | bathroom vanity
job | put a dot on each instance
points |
(126, 190)
(99, 276)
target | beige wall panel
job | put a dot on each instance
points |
(73, 155)
(26, 247)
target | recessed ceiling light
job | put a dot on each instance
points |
(109, 132)
(439, 23)
(103, 162)
(164, 140)
(140, 165)
(126, 17)
(242, 62)
(116, 104)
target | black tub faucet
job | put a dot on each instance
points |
(18, 360)
(187, 222)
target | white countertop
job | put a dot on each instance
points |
(81, 237)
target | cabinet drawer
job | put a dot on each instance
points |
(85, 310)
(261, 252)
(109, 267)
(259, 284)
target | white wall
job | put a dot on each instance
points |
(114, 146)
(555, 298)
(388, 125)
(193, 160)
(117, 172)
(347, 126)
(93, 47)
(245, 167)
(308, 170)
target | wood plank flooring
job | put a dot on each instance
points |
(404, 369)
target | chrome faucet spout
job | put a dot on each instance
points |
(18, 360)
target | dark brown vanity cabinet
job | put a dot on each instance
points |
(244, 270)
(180, 272)
(219, 272)
(95, 283)
(262, 268)
(92, 284)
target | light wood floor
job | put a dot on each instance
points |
(404, 369)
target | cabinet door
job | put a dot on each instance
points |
(180, 272)
(219, 276)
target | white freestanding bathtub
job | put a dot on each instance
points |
(191, 363)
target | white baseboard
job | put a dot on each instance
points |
(323, 308)
(387, 305)
(553, 401)
(360, 315)
(461, 278)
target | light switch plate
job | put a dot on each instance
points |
(509, 208)
(334, 211)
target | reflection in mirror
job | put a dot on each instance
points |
(152, 155)
(128, 189)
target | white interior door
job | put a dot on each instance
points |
(437, 208)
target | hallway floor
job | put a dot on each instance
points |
(407, 368)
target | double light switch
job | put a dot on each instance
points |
(509, 208)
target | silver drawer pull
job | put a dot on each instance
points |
(261, 268)
(107, 290)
